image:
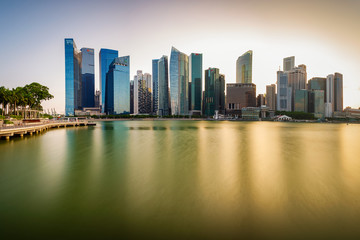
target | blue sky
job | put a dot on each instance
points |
(323, 35)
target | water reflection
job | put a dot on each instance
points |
(186, 179)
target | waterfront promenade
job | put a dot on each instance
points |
(35, 128)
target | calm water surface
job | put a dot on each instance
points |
(183, 179)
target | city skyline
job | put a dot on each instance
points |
(307, 39)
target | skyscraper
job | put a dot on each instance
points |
(329, 103)
(155, 94)
(106, 57)
(214, 95)
(179, 82)
(338, 92)
(288, 63)
(87, 78)
(142, 93)
(284, 92)
(244, 68)
(131, 96)
(163, 87)
(297, 81)
(195, 69)
(72, 77)
(271, 96)
(317, 83)
(301, 100)
(240, 95)
(117, 99)
(316, 103)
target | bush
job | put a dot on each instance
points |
(8, 122)
(17, 117)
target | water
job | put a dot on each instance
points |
(183, 179)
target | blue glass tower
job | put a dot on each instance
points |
(72, 77)
(163, 87)
(87, 78)
(117, 100)
(155, 66)
(195, 64)
(106, 57)
(179, 82)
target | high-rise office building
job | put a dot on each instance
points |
(97, 98)
(297, 81)
(72, 77)
(143, 90)
(288, 63)
(155, 80)
(214, 95)
(284, 92)
(317, 83)
(117, 99)
(131, 96)
(87, 78)
(244, 68)
(301, 100)
(271, 96)
(163, 87)
(195, 90)
(338, 92)
(238, 96)
(179, 82)
(316, 103)
(260, 100)
(106, 57)
(329, 103)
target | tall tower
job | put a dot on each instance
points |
(106, 57)
(72, 77)
(117, 99)
(163, 87)
(195, 69)
(329, 103)
(338, 92)
(87, 78)
(288, 63)
(155, 94)
(179, 82)
(244, 68)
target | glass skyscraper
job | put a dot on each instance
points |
(338, 92)
(214, 95)
(284, 92)
(179, 82)
(155, 94)
(117, 99)
(106, 57)
(72, 77)
(244, 68)
(195, 67)
(163, 87)
(87, 78)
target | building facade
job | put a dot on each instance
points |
(338, 92)
(316, 104)
(143, 89)
(106, 57)
(297, 81)
(72, 77)
(179, 82)
(271, 96)
(329, 103)
(163, 108)
(131, 96)
(244, 68)
(117, 99)
(301, 100)
(87, 78)
(155, 81)
(284, 92)
(288, 63)
(195, 90)
(239, 96)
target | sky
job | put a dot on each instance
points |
(322, 34)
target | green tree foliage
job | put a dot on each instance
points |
(297, 115)
(24, 98)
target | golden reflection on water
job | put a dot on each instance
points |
(188, 178)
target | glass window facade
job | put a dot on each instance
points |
(179, 82)
(117, 99)
(155, 75)
(87, 78)
(244, 68)
(195, 64)
(72, 77)
(106, 57)
(163, 87)
(214, 94)
(284, 92)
